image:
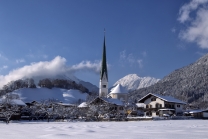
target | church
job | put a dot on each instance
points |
(117, 92)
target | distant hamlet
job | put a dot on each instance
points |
(181, 95)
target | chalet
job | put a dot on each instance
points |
(107, 104)
(119, 92)
(159, 105)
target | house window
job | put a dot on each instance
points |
(160, 105)
(153, 99)
(157, 113)
(150, 106)
(120, 108)
(147, 106)
(178, 106)
(104, 86)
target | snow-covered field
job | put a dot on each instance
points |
(167, 129)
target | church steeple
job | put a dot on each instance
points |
(104, 63)
(103, 87)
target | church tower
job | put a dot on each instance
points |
(103, 87)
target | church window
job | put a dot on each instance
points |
(104, 86)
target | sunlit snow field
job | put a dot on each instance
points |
(167, 129)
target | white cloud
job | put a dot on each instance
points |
(51, 69)
(3, 57)
(86, 65)
(45, 56)
(130, 59)
(5, 67)
(20, 61)
(144, 54)
(186, 9)
(196, 29)
(173, 30)
(140, 62)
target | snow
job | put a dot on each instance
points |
(195, 111)
(38, 94)
(15, 101)
(118, 89)
(133, 81)
(140, 105)
(162, 129)
(83, 105)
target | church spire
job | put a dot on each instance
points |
(103, 89)
(104, 62)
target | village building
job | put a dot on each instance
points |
(119, 92)
(200, 114)
(159, 105)
(106, 105)
(103, 85)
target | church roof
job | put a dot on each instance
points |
(118, 89)
(108, 100)
(104, 63)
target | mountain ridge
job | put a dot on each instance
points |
(133, 81)
(189, 84)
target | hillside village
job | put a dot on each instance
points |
(114, 105)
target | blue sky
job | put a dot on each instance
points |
(146, 37)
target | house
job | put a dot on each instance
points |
(205, 114)
(103, 106)
(83, 109)
(159, 105)
(119, 92)
(201, 114)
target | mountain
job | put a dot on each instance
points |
(133, 82)
(189, 84)
(37, 94)
(60, 81)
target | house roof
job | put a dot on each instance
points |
(83, 105)
(140, 105)
(165, 98)
(118, 89)
(109, 100)
(66, 104)
(15, 102)
(195, 111)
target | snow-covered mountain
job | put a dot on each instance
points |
(189, 84)
(133, 81)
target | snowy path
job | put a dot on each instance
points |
(171, 129)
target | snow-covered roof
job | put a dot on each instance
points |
(114, 101)
(165, 98)
(15, 102)
(140, 105)
(66, 104)
(83, 105)
(166, 109)
(110, 100)
(195, 111)
(118, 89)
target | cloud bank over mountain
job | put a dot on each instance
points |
(50, 69)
